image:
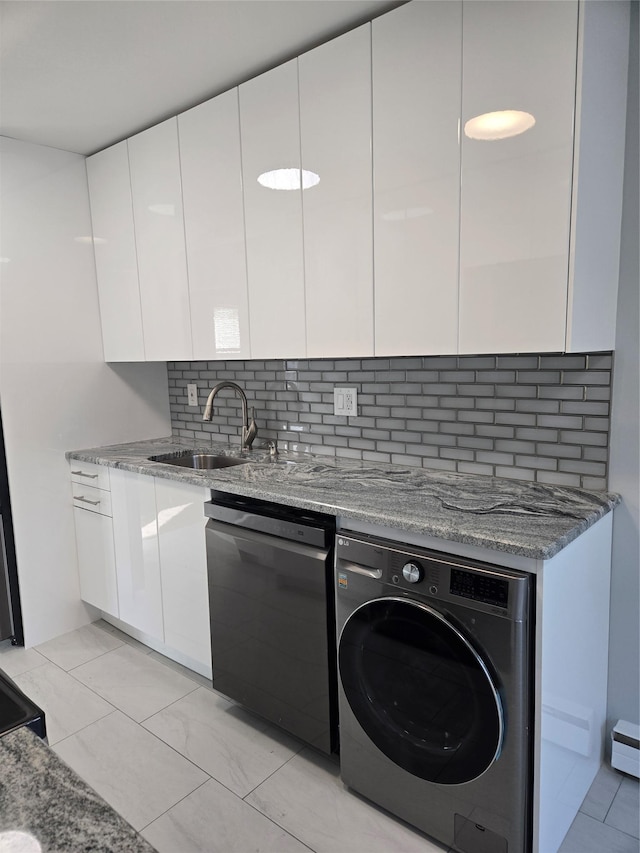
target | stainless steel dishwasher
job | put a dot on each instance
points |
(272, 611)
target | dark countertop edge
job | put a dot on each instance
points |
(212, 480)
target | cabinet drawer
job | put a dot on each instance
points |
(90, 474)
(92, 499)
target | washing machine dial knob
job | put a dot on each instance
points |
(412, 572)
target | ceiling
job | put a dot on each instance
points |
(82, 74)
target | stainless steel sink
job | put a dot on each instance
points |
(200, 461)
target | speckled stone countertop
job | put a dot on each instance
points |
(42, 798)
(517, 517)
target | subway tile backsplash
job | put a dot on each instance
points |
(542, 418)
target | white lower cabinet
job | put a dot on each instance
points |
(183, 569)
(135, 533)
(90, 487)
(142, 558)
(96, 560)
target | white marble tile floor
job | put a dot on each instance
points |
(195, 774)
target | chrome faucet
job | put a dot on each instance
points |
(249, 430)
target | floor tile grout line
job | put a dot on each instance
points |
(273, 820)
(100, 654)
(159, 739)
(177, 752)
(277, 770)
(177, 803)
(113, 707)
(73, 734)
(266, 779)
(158, 657)
(618, 786)
(81, 684)
(71, 673)
(166, 707)
(242, 800)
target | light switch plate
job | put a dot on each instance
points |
(192, 395)
(345, 401)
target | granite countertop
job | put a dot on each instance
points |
(513, 516)
(41, 798)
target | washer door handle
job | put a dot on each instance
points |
(376, 574)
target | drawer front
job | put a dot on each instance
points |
(92, 499)
(90, 474)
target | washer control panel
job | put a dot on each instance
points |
(363, 560)
(489, 590)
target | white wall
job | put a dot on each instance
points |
(56, 393)
(624, 641)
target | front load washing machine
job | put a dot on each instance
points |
(435, 691)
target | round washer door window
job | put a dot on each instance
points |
(420, 691)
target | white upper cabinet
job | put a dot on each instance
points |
(516, 189)
(159, 227)
(598, 175)
(115, 253)
(416, 167)
(270, 133)
(420, 225)
(540, 211)
(214, 228)
(335, 132)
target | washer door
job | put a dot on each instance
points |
(420, 691)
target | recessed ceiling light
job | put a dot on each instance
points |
(288, 179)
(4, 260)
(499, 125)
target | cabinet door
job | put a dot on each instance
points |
(183, 565)
(214, 228)
(416, 167)
(516, 191)
(115, 253)
(159, 226)
(270, 130)
(96, 561)
(135, 533)
(335, 132)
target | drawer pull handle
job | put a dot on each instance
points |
(86, 500)
(82, 474)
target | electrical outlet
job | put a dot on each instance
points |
(192, 395)
(345, 401)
